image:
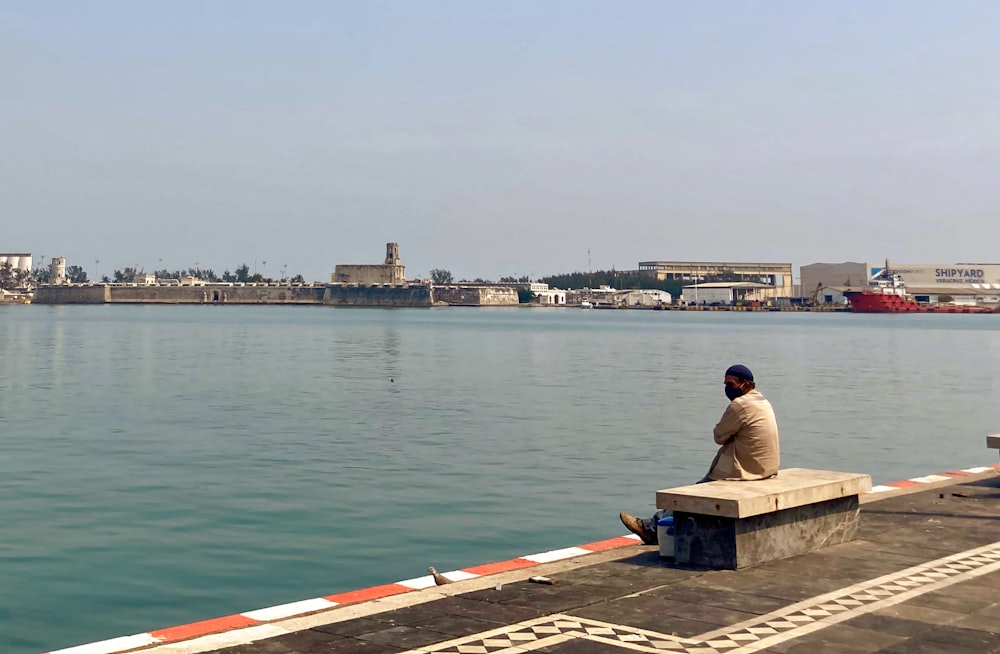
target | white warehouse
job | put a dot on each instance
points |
(726, 293)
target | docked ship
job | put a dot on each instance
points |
(886, 293)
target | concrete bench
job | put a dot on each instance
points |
(735, 524)
(993, 442)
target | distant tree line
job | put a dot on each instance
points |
(75, 275)
(620, 279)
(242, 274)
(16, 278)
(442, 276)
(11, 277)
(41, 275)
(201, 273)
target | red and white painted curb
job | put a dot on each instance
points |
(250, 626)
(951, 475)
(247, 627)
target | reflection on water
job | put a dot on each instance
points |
(169, 464)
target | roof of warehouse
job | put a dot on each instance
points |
(729, 285)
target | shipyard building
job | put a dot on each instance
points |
(964, 283)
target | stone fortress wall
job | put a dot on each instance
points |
(476, 295)
(72, 294)
(362, 285)
(399, 295)
(390, 272)
(309, 294)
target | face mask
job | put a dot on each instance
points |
(733, 392)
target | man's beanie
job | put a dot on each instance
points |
(740, 372)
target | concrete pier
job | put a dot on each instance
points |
(923, 575)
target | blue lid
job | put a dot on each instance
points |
(665, 521)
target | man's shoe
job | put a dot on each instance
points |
(635, 525)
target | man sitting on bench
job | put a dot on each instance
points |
(748, 436)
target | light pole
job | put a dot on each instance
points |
(97, 267)
(696, 288)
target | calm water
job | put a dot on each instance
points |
(162, 465)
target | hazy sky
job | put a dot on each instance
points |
(495, 138)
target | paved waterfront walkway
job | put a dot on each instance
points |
(923, 576)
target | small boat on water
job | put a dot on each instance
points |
(586, 304)
(14, 297)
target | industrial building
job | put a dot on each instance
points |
(727, 293)
(775, 279)
(964, 283)
(644, 298)
(948, 275)
(17, 260)
(849, 274)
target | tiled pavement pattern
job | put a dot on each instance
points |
(750, 636)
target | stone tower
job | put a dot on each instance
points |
(392, 254)
(57, 270)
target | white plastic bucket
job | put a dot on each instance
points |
(665, 536)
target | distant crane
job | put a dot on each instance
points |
(815, 295)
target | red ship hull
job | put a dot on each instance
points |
(872, 302)
(869, 302)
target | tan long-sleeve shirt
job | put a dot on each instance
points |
(748, 434)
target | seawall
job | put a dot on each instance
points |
(88, 294)
(349, 295)
(477, 296)
(307, 294)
